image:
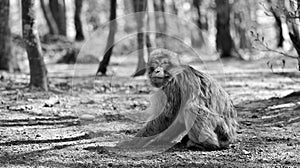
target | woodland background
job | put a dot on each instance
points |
(73, 83)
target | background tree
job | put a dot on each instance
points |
(199, 40)
(224, 40)
(58, 10)
(53, 29)
(151, 25)
(161, 21)
(77, 20)
(278, 23)
(139, 9)
(241, 23)
(110, 40)
(38, 72)
(6, 58)
(293, 16)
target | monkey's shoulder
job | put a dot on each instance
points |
(197, 74)
(205, 81)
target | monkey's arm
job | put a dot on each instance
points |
(170, 134)
(153, 130)
(160, 122)
(163, 116)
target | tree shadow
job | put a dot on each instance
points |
(275, 111)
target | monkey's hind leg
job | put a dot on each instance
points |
(201, 134)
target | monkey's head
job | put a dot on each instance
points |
(162, 66)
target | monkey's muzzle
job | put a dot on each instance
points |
(158, 79)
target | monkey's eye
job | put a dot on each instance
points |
(151, 69)
(165, 63)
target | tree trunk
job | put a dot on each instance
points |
(160, 19)
(223, 40)
(240, 24)
(151, 25)
(296, 42)
(139, 8)
(78, 24)
(110, 40)
(198, 40)
(53, 30)
(58, 10)
(279, 30)
(148, 40)
(174, 8)
(293, 28)
(278, 22)
(6, 58)
(162, 3)
(38, 72)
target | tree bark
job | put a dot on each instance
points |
(278, 25)
(38, 72)
(294, 31)
(240, 24)
(279, 30)
(78, 24)
(151, 25)
(296, 42)
(6, 58)
(53, 29)
(278, 22)
(200, 39)
(223, 40)
(110, 40)
(58, 10)
(139, 8)
(160, 18)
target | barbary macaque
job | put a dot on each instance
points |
(188, 103)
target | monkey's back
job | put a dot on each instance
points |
(216, 105)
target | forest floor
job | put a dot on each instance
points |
(76, 123)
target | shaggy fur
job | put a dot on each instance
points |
(196, 105)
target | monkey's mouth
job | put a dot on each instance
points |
(158, 79)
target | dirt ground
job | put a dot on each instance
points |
(77, 123)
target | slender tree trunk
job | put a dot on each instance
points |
(296, 42)
(279, 30)
(139, 8)
(110, 40)
(199, 40)
(174, 8)
(224, 40)
(293, 27)
(240, 24)
(58, 10)
(78, 24)
(196, 4)
(151, 25)
(278, 25)
(49, 18)
(160, 19)
(162, 3)
(38, 72)
(6, 58)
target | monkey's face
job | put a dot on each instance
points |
(158, 70)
